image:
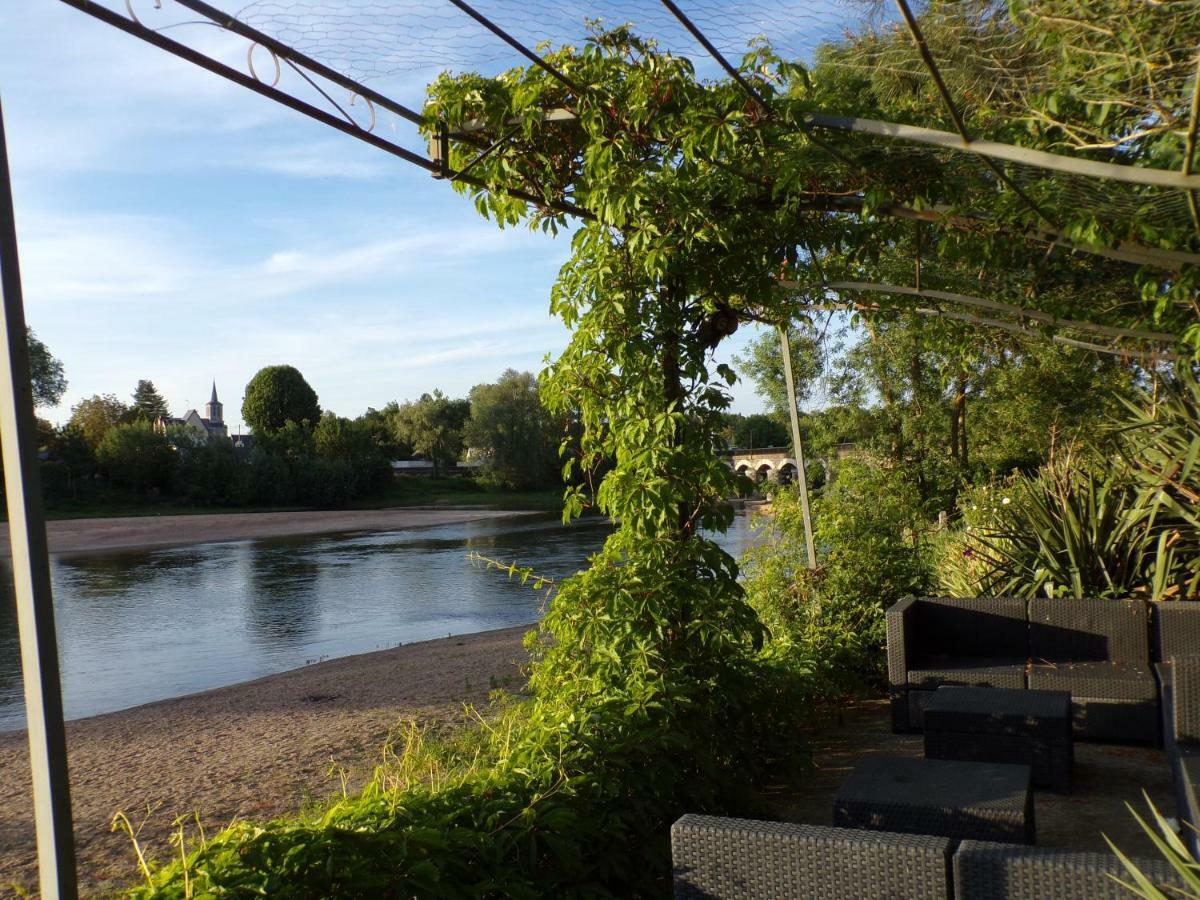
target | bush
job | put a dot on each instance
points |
(872, 550)
(136, 457)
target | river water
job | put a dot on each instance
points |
(134, 627)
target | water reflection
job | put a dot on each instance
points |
(137, 627)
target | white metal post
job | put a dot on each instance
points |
(797, 448)
(31, 572)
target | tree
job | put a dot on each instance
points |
(762, 363)
(514, 431)
(433, 426)
(148, 403)
(93, 416)
(759, 430)
(46, 373)
(277, 395)
(381, 423)
(136, 456)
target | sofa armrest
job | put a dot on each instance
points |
(1185, 699)
(899, 619)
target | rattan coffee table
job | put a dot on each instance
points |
(1004, 726)
(961, 800)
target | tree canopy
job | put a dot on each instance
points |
(46, 372)
(512, 429)
(148, 403)
(433, 427)
(93, 416)
(277, 395)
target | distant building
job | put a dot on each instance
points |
(211, 424)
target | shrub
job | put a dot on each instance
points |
(137, 457)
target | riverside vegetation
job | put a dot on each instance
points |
(660, 683)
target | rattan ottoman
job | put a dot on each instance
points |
(959, 800)
(1004, 726)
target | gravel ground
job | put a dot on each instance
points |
(255, 750)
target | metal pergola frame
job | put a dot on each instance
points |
(30, 555)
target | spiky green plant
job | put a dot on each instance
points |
(1171, 848)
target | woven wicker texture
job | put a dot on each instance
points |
(990, 871)
(1176, 630)
(1111, 681)
(1032, 728)
(1185, 764)
(985, 627)
(896, 619)
(1185, 690)
(986, 801)
(978, 672)
(740, 858)
(1089, 631)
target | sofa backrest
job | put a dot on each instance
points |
(968, 627)
(1089, 631)
(993, 871)
(1175, 628)
(735, 858)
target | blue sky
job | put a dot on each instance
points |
(176, 227)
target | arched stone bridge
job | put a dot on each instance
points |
(763, 463)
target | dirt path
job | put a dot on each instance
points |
(254, 750)
(98, 535)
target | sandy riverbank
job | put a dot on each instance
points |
(100, 535)
(254, 750)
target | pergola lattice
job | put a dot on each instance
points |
(340, 63)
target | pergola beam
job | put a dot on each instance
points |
(1045, 318)
(1055, 162)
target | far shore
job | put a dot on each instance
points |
(255, 750)
(145, 532)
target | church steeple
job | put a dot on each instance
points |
(213, 410)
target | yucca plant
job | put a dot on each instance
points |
(1171, 848)
(1072, 530)
(1161, 442)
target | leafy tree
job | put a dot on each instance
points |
(759, 430)
(277, 395)
(433, 426)
(381, 423)
(511, 427)
(351, 444)
(136, 456)
(148, 403)
(46, 372)
(93, 417)
(762, 363)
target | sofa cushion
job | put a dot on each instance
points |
(1097, 680)
(933, 672)
(1089, 631)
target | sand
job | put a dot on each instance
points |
(255, 750)
(99, 535)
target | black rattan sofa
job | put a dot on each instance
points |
(935, 641)
(1099, 652)
(1096, 650)
(724, 859)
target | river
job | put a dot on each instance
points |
(134, 627)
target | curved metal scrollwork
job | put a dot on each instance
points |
(274, 59)
(133, 15)
(370, 109)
